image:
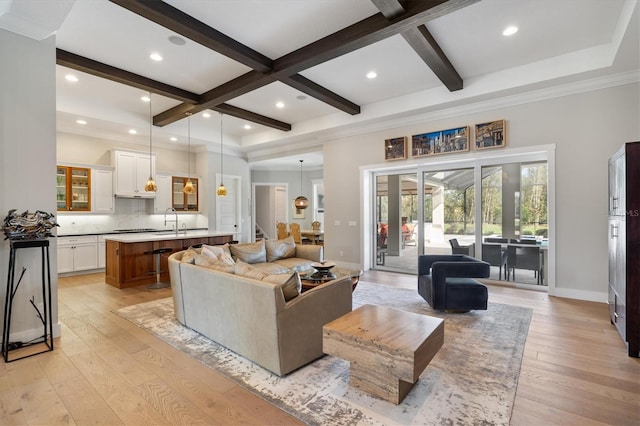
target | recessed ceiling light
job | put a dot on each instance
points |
(301, 97)
(510, 30)
(372, 75)
(133, 132)
(280, 105)
(173, 139)
(71, 78)
(81, 121)
(206, 115)
(156, 56)
(178, 41)
(247, 127)
(145, 98)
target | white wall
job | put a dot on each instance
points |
(27, 163)
(586, 128)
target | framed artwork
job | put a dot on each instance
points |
(491, 135)
(395, 148)
(440, 142)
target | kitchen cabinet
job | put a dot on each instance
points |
(77, 253)
(73, 188)
(132, 170)
(184, 202)
(163, 194)
(102, 191)
(102, 255)
(624, 244)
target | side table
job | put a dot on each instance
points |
(12, 287)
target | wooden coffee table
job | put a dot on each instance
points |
(387, 348)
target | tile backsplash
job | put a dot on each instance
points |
(129, 214)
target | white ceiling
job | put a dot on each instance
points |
(559, 41)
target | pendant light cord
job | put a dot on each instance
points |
(221, 161)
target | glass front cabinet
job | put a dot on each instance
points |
(73, 189)
(180, 200)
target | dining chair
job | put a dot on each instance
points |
(495, 256)
(294, 229)
(282, 230)
(318, 237)
(456, 248)
(528, 241)
(527, 258)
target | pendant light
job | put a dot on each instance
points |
(301, 201)
(188, 187)
(150, 186)
(222, 191)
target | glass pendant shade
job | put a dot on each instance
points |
(188, 187)
(150, 186)
(301, 201)
(221, 191)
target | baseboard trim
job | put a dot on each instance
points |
(589, 296)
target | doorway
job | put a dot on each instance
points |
(272, 199)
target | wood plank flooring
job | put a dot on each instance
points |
(105, 370)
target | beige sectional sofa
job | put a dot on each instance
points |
(249, 313)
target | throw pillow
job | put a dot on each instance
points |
(249, 252)
(216, 265)
(189, 255)
(221, 253)
(290, 284)
(280, 249)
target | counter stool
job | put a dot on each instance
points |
(157, 253)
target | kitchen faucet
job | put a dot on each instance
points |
(171, 209)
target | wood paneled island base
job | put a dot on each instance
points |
(388, 349)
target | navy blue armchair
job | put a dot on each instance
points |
(447, 282)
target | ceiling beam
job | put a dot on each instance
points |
(174, 19)
(424, 44)
(89, 66)
(361, 34)
(108, 72)
(421, 40)
(307, 86)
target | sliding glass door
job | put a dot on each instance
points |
(434, 209)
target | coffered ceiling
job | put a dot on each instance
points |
(242, 57)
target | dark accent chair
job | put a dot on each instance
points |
(456, 248)
(528, 258)
(495, 256)
(447, 282)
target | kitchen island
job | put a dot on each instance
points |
(130, 264)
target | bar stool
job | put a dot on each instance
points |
(157, 253)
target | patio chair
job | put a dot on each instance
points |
(494, 255)
(527, 258)
(456, 248)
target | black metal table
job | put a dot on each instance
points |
(12, 287)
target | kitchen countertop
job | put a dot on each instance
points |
(165, 235)
(83, 234)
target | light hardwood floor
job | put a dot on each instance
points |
(105, 370)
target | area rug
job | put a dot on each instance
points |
(472, 379)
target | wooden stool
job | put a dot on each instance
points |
(157, 253)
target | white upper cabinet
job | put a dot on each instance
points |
(131, 173)
(163, 195)
(102, 191)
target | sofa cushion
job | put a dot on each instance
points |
(272, 268)
(212, 263)
(280, 249)
(189, 255)
(249, 252)
(218, 252)
(289, 282)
